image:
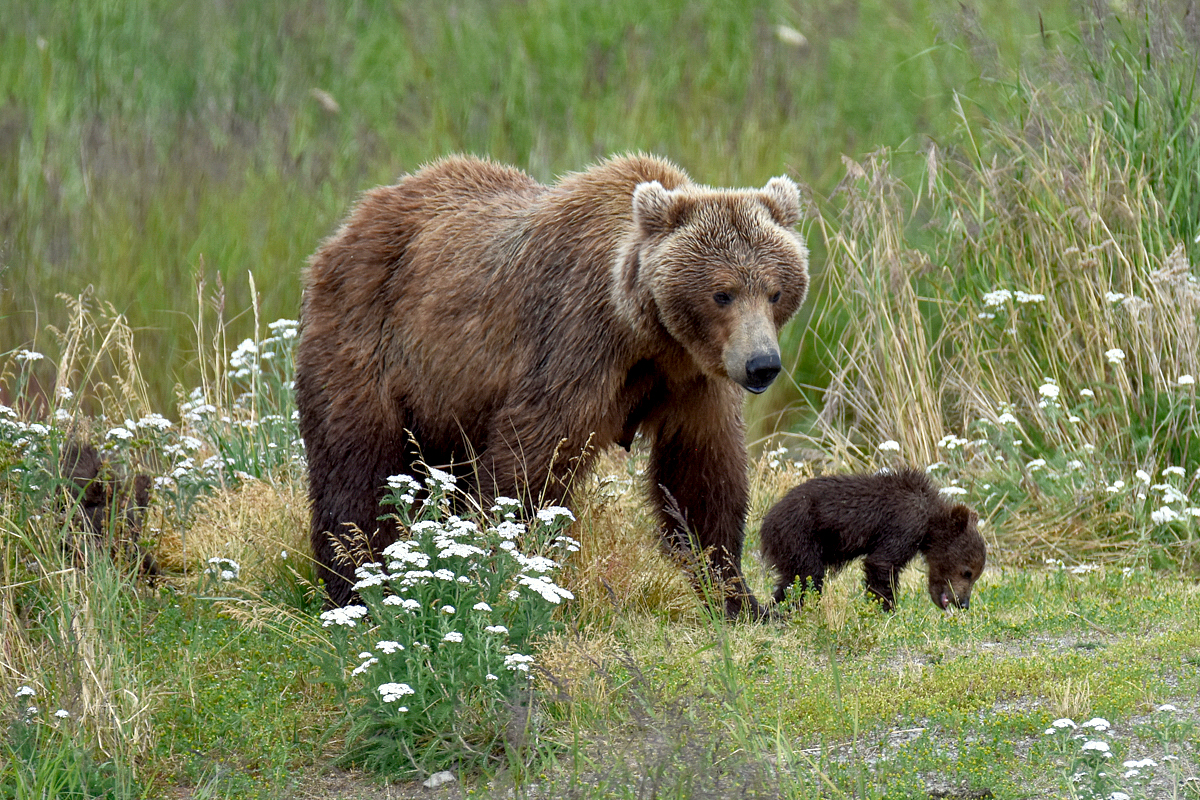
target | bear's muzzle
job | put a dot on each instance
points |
(761, 370)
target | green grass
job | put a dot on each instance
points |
(146, 146)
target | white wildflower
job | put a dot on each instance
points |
(550, 514)
(392, 692)
(891, 445)
(997, 298)
(550, 591)
(481, 606)
(1049, 390)
(496, 629)
(154, 421)
(365, 665)
(26, 691)
(347, 616)
(1099, 723)
(1114, 297)
(518, 662)
(1115, 356)
(387, 647)
(438, 479)
(1163, 515)
(1097, 746)
(453, 636)
(29, 356)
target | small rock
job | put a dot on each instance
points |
(439, 779)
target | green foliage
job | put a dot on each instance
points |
(455, 612)
(144, 146)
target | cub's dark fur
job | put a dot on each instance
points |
(105, 506)
(888, 517)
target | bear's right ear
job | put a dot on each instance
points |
(655, 209)
(781, 196)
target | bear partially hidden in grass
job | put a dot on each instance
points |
(824, 523)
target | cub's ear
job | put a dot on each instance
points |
(657, 210)
(961, 517)
(782, 198)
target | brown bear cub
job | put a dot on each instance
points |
(889, 517)
(106, 507)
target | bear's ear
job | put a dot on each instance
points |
(655, 209)
(781, 196)
(961, 518)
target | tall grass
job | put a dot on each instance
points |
(1028, 302)
(145, 146)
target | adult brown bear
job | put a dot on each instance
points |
(471, 318)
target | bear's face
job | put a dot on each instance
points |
(956, 557)
(724, 271)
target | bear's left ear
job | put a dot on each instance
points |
(656, 209)
(781, 196)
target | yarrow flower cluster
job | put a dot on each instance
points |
(391, 692)
(346, 616)
(224, 569)
(455, 604)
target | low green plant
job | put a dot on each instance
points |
(443, 644)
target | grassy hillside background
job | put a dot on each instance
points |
(147, 146)
(1004, 213)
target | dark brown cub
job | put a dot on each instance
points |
(888, 517)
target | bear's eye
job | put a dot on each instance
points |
(723, 298)
(967, 574)
(775, 297)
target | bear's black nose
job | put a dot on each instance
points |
(761, 370)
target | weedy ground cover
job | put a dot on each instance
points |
(227, 680)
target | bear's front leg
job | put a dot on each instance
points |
(882, 578)
(699, 486)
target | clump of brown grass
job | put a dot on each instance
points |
(621, 567)
(254, 523)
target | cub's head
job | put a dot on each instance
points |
(720, 270)
(955, 557)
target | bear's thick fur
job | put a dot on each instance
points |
(824, 523)
(471, 318)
